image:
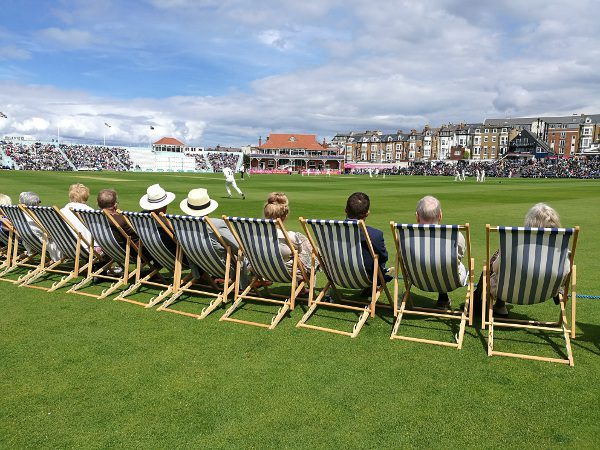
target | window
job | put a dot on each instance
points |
(411, 155)
(388, 156)
(398, 147)
(485, 139)
(476, 151)
(504, 130)
(373, 147)
(493, 138)
(587, 131)
(426, 152)
(562, 143)
(495, 130)
(398, 155)
(487, 130)
(373, 156)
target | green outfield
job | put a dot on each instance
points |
(79, 372)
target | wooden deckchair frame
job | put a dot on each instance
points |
(219, 294)
(118, 281)
(140, 281)
(16, 260)
(366, 311)
(467, 311)
(559, 326)
(287, 304)
(54, 267)
(6, 252)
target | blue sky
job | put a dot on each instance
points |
(226, 72)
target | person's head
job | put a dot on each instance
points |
(29, 199)
(198, 203)
(107, 199)
(5, 200)
(78, 193)
(542, 216)
(357, 206)
(156, 199)
(429, 210)
(277, 206)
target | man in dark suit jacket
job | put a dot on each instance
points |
(107, 201)
(357, 208)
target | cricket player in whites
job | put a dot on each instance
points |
(230, 181)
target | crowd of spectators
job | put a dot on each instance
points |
(507, 168)
(98, 158)
(36, 156)
(40, 156)
(220, 160)
(201, 163)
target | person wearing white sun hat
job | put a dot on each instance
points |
(156, 200)
(199, 204)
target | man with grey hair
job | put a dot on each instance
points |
(29, 198)
(429, 211)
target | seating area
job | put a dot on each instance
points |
(97, 157)
(200, 263)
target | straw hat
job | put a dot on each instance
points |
(198, 203)
(156, 197)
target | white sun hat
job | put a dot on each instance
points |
(156, 197)
(198, 203)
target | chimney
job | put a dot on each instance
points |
(260, 141)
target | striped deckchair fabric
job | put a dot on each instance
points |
(430, 256)
(427, 255)
(341, 252)
(148, 229)
(338, 249)
(258, 238)
(535, 264)
(100, 229)
(73, 246)
(258, 242)
(16, 254)
(203, 246)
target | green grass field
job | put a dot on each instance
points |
(79, 372)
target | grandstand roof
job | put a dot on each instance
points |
(169, 141)
(305, 141)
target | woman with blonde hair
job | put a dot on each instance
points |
(539, 215)
(277, 207)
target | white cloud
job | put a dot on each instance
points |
(67, 38)
(13, 52)
(274, 38)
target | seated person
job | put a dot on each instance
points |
(199, 204)
(107, 201)
(539, 216)
(78, 197)
(5, 225)
(358, 208)
(429, 211)
(32, 199)
(277, 207)
(156, 201)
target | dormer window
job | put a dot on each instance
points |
(293, 139)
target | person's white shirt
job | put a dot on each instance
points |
(80, 227)
(228, 174)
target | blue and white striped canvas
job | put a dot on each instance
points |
(19, 221)
(533, 263)
(148, 231)
(261, 246)
(339, 244)
(429, 254)
(101, 231)
(60, 232)
(199, 244)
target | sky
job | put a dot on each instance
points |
(225, 72)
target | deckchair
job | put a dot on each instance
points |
(18, 257)
(337, 247)
(257, 240)
(99, 224)
(6, 240)
(147, 227)
(428, 258)
(73, 246)
(203, 246)
(532, 268)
